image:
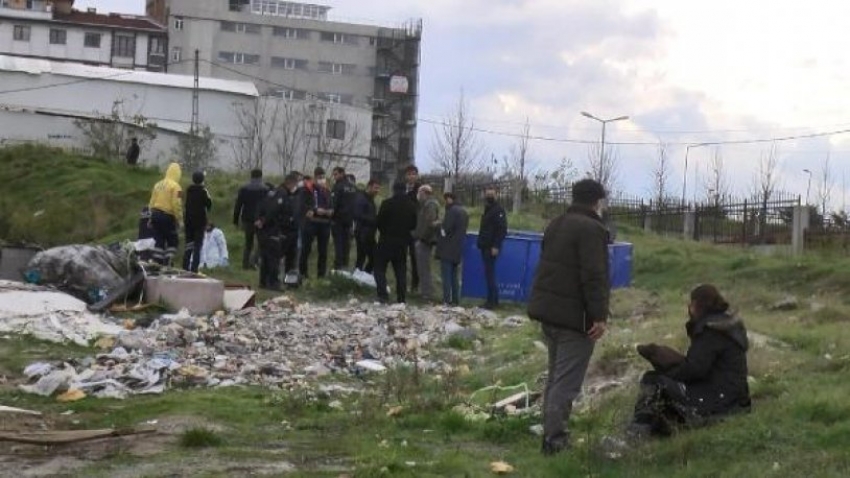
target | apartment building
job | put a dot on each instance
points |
(54, 30)
(296, 51)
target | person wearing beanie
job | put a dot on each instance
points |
(198, 204)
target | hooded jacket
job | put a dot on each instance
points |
(428, 214)
(715, 368)
(167, 195)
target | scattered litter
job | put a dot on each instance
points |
(514, 321)
(395, 411)
(536, 430)
(5, 409)
(72, 395)
(501, 468)
(70, 436)
(371, 366)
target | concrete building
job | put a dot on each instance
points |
(44, 101)
(294, 51)
(54, 30)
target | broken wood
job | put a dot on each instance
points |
(5, 409)
(71, 436)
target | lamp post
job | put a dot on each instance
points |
(809, 187)
(604, 124)
(685, 179)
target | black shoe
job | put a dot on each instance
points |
(556, 444)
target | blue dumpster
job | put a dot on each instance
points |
(518, 262)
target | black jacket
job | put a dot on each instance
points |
(366, 215)
(198, 202)
(278, 213)
(571, 286)
(247, 202)
(133, 152)
(343, 197)
(715, 367)
(453, 234)
(313, 199)
(396, 220)
(494, 227)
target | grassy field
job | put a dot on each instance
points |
(799, 367)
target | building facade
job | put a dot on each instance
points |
(53, 30)
(293, 51)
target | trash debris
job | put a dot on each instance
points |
(501, 468)
(238, 299)
(5, 409)
(371, 366)
(787, 304)
(72, 395)
(536, 430)
(514, 321)
(395, 411)
(199, 295)
(70, 436)
(87, 272)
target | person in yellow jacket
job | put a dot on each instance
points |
(166, 207)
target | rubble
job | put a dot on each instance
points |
(279, 344)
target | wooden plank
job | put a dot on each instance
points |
(71, 436)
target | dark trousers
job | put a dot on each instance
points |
(414, 269)
(270, 250)
(490, 276)
(663, 405)
(289, 250)
(342, 245)
(194, 246)
(569, 356)
(321, 233)
(166, 236)
(395, 254)
(250, 233)
(365, 252)
(451, 285)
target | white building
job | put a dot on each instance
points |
(54, 30)
(42, 101)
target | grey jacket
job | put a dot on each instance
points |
(429, 213)
(455, 225)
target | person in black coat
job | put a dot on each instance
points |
(450, 248)
(198, 203)
(710, 381)
(494, 228)
(343, 197)
(366, 221)
(317, 209)
(411, 188)
(396, 222)
(133, 152)
(277, 232)
(245, 213)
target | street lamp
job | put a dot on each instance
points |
(685, 179)
(604, 124)
(809, 187)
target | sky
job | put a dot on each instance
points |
(684, 72)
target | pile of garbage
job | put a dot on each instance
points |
(281, 344)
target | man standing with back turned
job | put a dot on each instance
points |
(245, 213)
(494, 228)
(570, 299)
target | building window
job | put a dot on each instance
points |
(21, 33)
(92, 40)
(290, 94)
(58, 37)
(289, 63)
(289, 9)
(157, 46)
(335, 129)
(176, 54)
(292, 33)
(178, 23)
(333, 98)
(124, 46)
(336, 68)
(240, 28)
(340, 38)
(238, 58)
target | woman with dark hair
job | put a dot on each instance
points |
(709, 382)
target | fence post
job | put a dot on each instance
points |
(798, 233)
(647, 217)
(746, 221)
(690, 223)
(448, 184)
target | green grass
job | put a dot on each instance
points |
(800, 424)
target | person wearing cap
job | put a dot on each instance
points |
(425, 234)
(198, 203)
(276, 230)
(316, 204)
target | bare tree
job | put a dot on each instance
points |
(661, 175)
(717, 183)
(456, 148)
(765, 182)
(517, 164)
(257, 123)
(291, 138)
(825, 185)
(603, 166)
(107, 135)
(196, 149)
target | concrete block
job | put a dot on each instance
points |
(13, 260)
(199, 296)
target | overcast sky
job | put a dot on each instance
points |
(685, 72)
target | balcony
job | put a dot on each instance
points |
(40, 11)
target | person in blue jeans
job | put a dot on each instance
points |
(450, 248)
(494, 228)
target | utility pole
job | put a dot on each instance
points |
(685, 176)
(604, 124)
(196, 95)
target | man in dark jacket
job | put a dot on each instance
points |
(276, 230)
(710, 381)
(198, 203)
(343, 198)
(450, 248)
(494, 228)
(245, 213)
(366, 220)
(317, 208)
(570, 298)
(425, 234)
(133, 152)
(396, 222)
(411, 188)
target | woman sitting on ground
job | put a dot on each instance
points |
(708, 383)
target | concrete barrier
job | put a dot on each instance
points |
(199, 296)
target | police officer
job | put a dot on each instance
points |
(276, 230)
(343, 198)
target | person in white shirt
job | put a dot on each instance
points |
(214, 253)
